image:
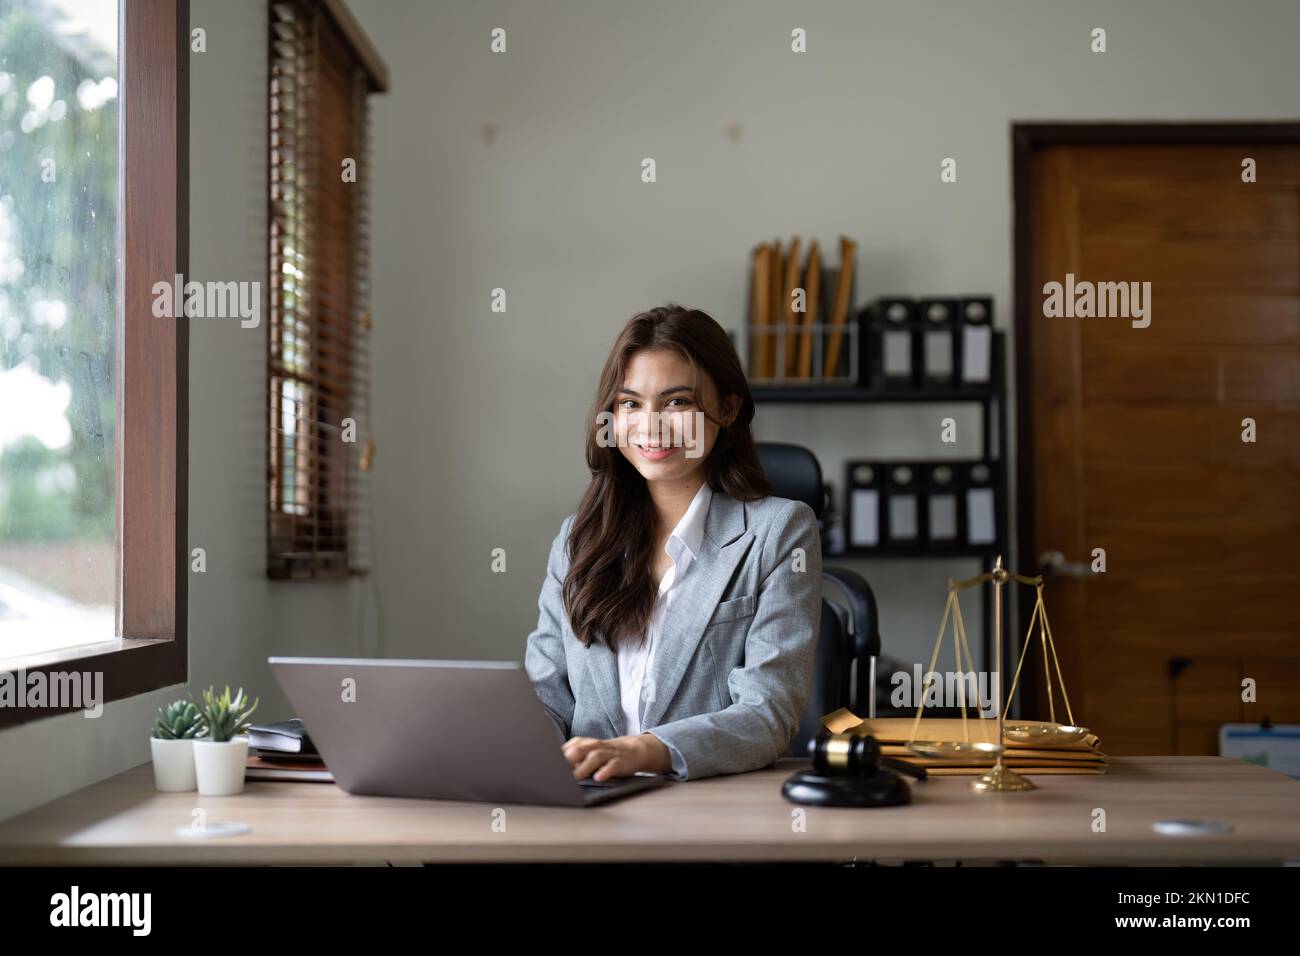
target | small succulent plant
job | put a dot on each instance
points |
(226, 718)
(179, 720)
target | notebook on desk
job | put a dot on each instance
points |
(285, 736)
(288, 771)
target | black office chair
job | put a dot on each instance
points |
(844, 668)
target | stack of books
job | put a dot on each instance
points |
(283, 751)
(893, 733)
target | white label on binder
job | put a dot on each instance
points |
(902, 517)
(976, 352)
(979, 516)
(943, 517)
(938, 355)
(897, 350)
(866, 518)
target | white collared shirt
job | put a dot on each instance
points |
(634, 663)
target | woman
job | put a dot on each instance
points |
(681, 604)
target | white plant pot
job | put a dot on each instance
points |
(220, 766)
(173, 764)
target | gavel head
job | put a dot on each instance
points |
(844, 755)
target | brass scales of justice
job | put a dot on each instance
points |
(1001, 778)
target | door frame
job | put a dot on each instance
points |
(1027, 139)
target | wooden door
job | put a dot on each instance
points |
(1137, 436)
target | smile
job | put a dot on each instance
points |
(656, 453)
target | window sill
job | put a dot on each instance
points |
(129, 666)
(57, 631)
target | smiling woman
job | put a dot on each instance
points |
(680, 608)
(679, 359)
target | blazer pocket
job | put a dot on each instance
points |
(733, 610)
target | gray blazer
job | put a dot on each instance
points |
(732, 666)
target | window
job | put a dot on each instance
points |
(320, 449)
(58, 236)
(91, 486)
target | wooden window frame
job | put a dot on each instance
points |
(152, 379)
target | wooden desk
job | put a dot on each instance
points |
(735, 818)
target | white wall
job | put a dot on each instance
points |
(480, 416)
(237, 618)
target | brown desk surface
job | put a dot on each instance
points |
(743, 817)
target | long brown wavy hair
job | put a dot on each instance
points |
(609, 592)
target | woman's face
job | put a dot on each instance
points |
(658, 415)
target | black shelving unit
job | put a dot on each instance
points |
(854, 393)
(993, 403)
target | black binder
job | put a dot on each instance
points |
(864, 488)
(895, 343)
(940, 321)
(944, 505)
(976, 344)
(982, 505)
(904, 514)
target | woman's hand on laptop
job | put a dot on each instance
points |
(616, 757)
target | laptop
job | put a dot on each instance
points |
(442, 730)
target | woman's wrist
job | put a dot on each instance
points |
(658, 759)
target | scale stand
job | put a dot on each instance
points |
(1001, 778)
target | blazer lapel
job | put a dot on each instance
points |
(602, 668)
(695, 600)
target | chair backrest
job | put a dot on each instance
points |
(793, 472)
(832, 667)
(849, 632)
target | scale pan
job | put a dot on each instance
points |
(954, 749)
(1044, 733)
